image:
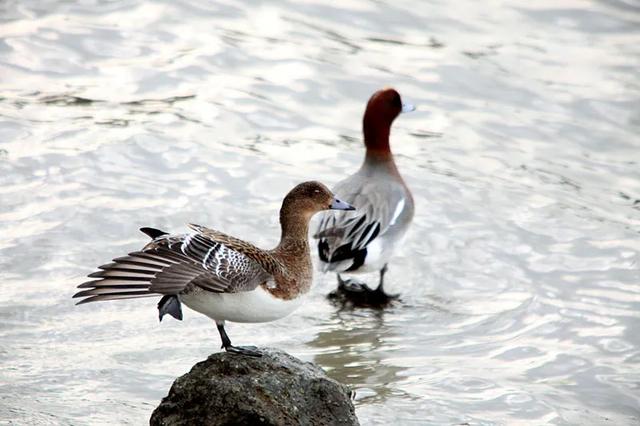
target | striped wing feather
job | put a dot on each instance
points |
(172, 264)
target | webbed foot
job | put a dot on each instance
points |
(359, 294)
(244, 350)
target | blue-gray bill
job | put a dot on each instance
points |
(341, 205)
(408, 107)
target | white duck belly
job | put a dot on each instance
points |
(248, 306)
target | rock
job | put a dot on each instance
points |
(276, 389)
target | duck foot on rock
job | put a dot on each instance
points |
(244, 350)
(240, 350)
(358, 294)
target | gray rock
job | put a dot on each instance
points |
(276, 389)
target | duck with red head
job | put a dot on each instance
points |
(222, 277)
(366, 240)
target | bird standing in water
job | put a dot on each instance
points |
(365, 240)
(220, 276)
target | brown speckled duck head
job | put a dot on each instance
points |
(383, 107)
(306, 199)
(302, 202)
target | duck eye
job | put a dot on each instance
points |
(317, 191)
(396, 101)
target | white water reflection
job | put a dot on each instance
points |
(520, 277)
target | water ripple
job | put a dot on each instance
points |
(519, 278)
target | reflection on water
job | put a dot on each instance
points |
(343, 350)
(519, 278)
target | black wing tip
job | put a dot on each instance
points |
(86, 299)
(116, 295)
(153, 233)
(79, 294)
(88, 284)
(323, 249)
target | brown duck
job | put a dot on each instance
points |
(222, 277)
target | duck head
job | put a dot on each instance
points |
(383, 107)
(302, 202)
(308, 198)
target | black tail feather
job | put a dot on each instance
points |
(170, 304)
(153, 233)
(344, 252)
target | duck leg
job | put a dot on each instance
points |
(359, 294)
(226, 343)
(383, 271)
(381, 295)
(352, 286)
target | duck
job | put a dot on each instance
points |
(365, 240)
(217, 275)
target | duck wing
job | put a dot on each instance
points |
(171, 264)
(261, 257)
(346, 235)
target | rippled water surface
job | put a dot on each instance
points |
(520, 277)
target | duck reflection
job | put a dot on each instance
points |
(357, 350)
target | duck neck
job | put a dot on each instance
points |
(376, 138)
(294, 239)
(294, 254)
(376, 159)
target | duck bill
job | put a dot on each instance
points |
(340, 205)
(408, 108)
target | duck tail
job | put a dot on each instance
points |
(170, 304)
(153, 233)
(343, 259)
(127, 277)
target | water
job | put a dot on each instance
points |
(520, 276)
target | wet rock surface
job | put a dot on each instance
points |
(275, 389)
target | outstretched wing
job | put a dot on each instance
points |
(171, 264)
(220, 268)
